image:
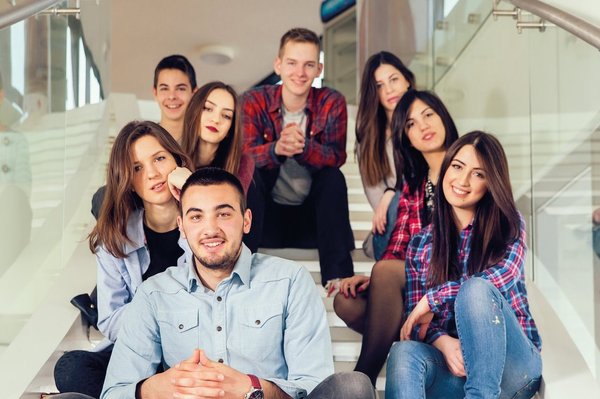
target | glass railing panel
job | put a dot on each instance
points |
(565, 123)
(455, 24)
(47, 158)
(540, 94)
(487, 89)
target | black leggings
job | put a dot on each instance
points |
(377, 314)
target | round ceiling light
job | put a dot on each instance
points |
(216, 54)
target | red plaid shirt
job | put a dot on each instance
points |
(262, 121)
(408, 222)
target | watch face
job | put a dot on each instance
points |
(257, 394)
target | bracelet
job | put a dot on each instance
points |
(389, 189)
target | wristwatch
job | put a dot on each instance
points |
(256, 391)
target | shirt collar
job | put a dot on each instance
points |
(135, 231)
(277, 103)
(241, 269)
(468, 229)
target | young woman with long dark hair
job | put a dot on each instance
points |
(466, 295)
(384, 81)
(212, 134)
(423, 130)
(136, 237)
(212, 137)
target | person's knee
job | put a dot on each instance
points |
(347, 310)
(403, 356)
(475, 291)
(388, 272)
(331, 180)
(352, 385)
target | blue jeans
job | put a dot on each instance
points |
(500, 361)
(380, 241)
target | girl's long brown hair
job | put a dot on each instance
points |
(119, 199)
(371, 119)
(496, 222)
(229, 152)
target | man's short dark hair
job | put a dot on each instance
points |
(300, 35)
(179, 62)
(210, 176)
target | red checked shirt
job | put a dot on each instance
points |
(508, 276)
(262, 120)
(408, 222)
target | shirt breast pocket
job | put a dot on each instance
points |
(268, 135)
(259, 332)
(179, 334)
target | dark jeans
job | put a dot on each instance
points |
(321, 222)
(82, 372)
(349, 385)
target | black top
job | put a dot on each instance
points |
(164, 250)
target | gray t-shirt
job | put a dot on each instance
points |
(294, 181)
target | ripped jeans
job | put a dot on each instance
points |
(500, 360)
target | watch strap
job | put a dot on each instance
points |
(255, 381)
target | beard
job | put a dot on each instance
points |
(223, 262)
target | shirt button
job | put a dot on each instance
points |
(220, 360)
(257, 322)
(219, 328)
(265, 136)
(181, 326)
(219, 299)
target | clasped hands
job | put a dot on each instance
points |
(291, 141)
(197, 378)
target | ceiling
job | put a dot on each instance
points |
(128, 38)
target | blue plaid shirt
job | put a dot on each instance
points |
(508, 276)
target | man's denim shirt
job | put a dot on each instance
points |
(266, 318)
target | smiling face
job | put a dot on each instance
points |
(217, 116)
(465, 183)
(391, 86)
(213, 224)
(151, 167)
(298, 65)
(425, 128)
(173, 92)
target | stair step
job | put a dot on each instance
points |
(304, 254)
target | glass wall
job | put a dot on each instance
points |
(45, 74)
(540, 94)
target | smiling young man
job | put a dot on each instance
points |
(297, 135)
(230, 324)
(174, 85)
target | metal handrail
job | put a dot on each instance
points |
(24, 11)
(577, 26)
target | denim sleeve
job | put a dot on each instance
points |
(113, 293)
(307, 344)
(137, 353)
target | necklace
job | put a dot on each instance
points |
(429, 193)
